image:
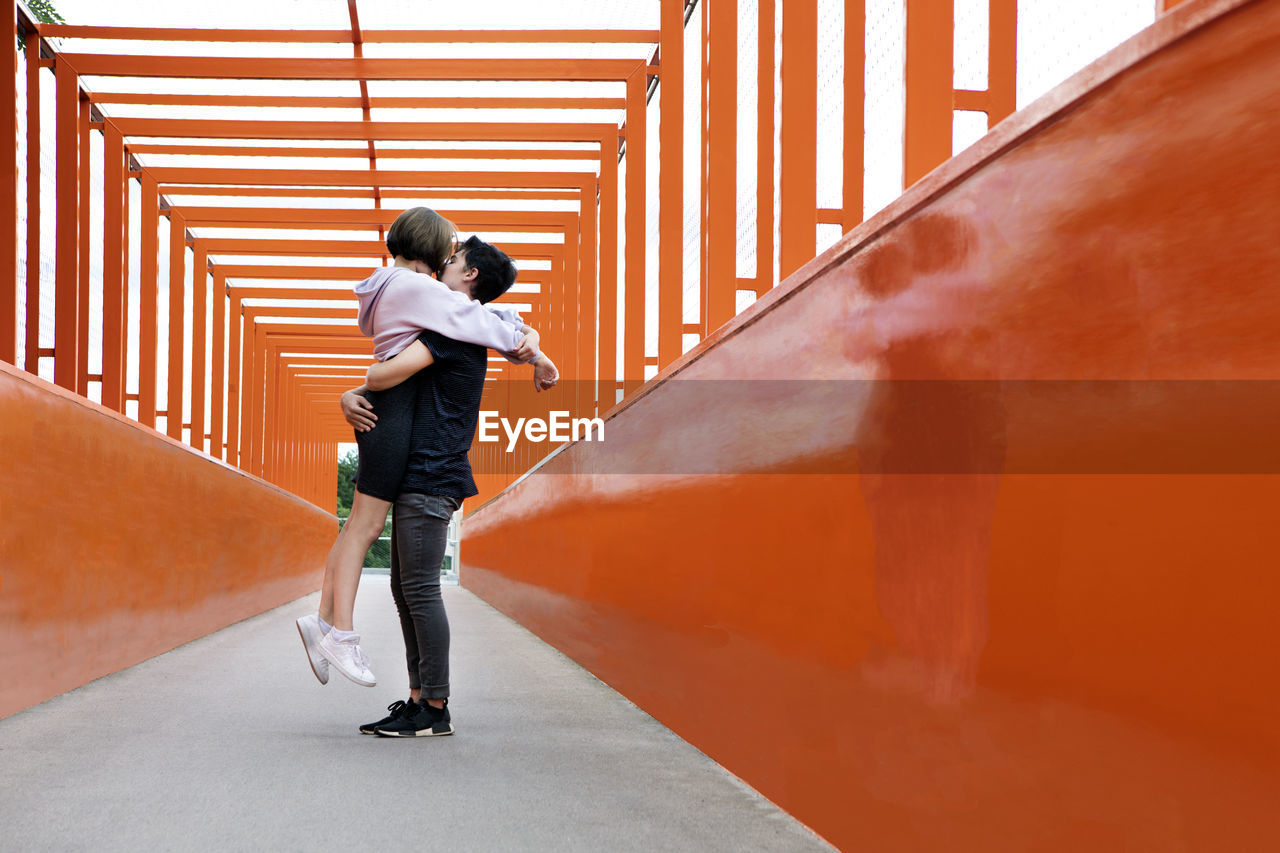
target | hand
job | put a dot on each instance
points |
(545, 375)
(358, 411)
(528, 349)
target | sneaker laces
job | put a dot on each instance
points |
(361, 659)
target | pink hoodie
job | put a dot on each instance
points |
(397, 303)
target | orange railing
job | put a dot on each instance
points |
(117, 543)
(960, 539)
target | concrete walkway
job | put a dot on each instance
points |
(229, 743)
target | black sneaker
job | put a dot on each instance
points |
(399, 710)
(427, 722)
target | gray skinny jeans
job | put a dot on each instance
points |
(419, 536)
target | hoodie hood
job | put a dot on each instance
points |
(369, 292)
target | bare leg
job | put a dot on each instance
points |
(346, 559)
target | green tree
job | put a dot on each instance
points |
(45, 13)
(346, 481)
(379, 556)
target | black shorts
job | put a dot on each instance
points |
(384, 450)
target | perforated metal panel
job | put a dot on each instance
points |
(1055, 40)
(885, 104)
(830, 139)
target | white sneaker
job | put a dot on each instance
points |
(348, 658)
(311, 633)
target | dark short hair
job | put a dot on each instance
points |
(421, 234)
(495, 272)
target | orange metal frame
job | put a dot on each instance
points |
(263, 380)
(592, 320)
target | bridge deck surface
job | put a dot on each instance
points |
(229, 742)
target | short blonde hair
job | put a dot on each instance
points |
(421, 234)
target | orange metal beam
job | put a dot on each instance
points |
(929, 90)
(66, 335)
(332, 68)
(241, 293)
(365, 178)
(217, 375)
(607, 36)
(114, 292)
(260, 379)
(199, 343)
(33, 205)
(344, 362)
(338, 102)
(9, 199)
(343, 192)
(634, 284)
(855, 61)
(704, 225)
(316, 345)
(1002, 60)
(608, 302)
(125, 221)
(339, 217)
(177, 332)
(305, 249)
(347, 248)
(722, 165)
(971, 100)
(235, 329)
(135, 128)
(148, 276)
(799, 130)
(360, 153)
(671, 183)
(82, 251)
(255, 312)
(299, 273)
(582, 309)
(765, 97)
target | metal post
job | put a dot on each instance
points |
(177, 322)
(798, 237)
(608, 273)
(671, 181)
(1002, 60)
(584, 308)
(929, 87)
(82, 272)
(199, 342)
(148, 277)
(634, 286)
(114, 292)
(32, 342)
(855, 60)
(722, 163)
(235, 352)
(66, 334)
(218, 393)
(9, 199)
(765, 98)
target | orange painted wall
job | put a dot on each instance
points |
(1074, 651)
(118, 543)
